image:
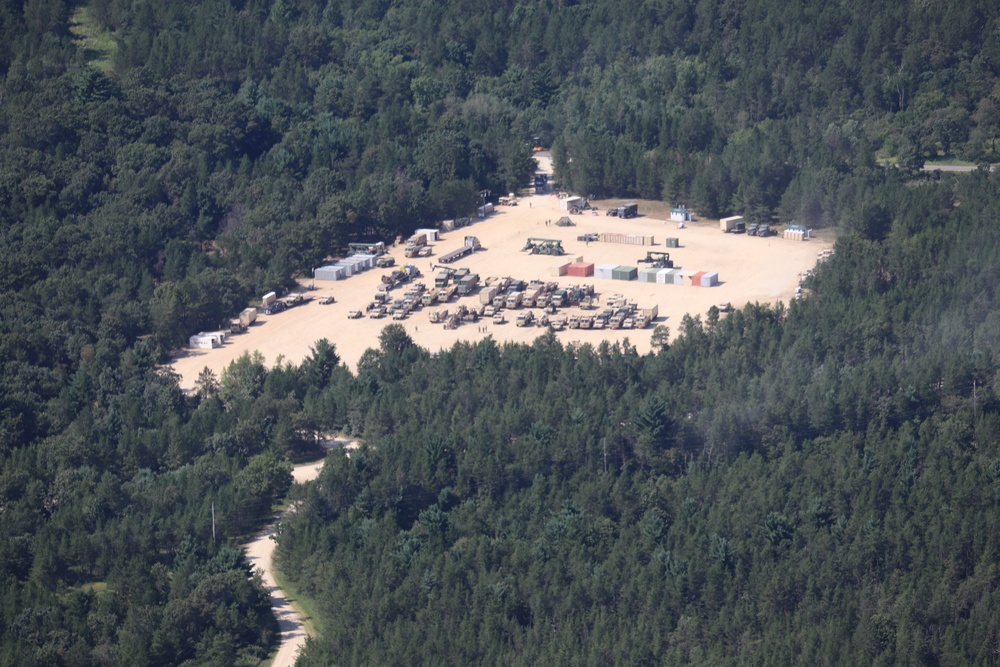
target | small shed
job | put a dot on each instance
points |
(681, 214)
(673, 242)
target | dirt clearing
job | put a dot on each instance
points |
(750, 269)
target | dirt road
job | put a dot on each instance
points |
(260, 553)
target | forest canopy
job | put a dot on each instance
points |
(161, 163)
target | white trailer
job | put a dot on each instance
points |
(731, 223)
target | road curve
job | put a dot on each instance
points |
(260, 553)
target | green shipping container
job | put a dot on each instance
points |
(625, 273)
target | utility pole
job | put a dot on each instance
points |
(213, 523)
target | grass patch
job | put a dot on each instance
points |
(98, 588)
(98, 44)
(949, 162)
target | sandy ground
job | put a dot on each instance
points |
(750, 270)
(260, 553)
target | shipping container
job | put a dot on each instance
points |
(680, 276)
(331, 272)
(580, 269)
(709, 279)
(624, 273)
(432, 234)
(673, 242)
(604, 271)
(648, 275)
(199, 342)
(696, 279)
(269, 298)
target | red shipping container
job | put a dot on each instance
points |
(696, 279)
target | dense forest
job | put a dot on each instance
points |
(811, 482)
(817, 483)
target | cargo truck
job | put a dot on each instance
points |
(733, 225)
(486, 295)
(468, 284)
(248, 316)
(414, 245)
(624, 211)
(447, 293)
(429, 298)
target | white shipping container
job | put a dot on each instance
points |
(218, 336)
(199, 342)
(648, 275)
(710, 279)
(604, 271)
(331, 272)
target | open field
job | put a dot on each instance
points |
(750, 270)
(98, 44)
